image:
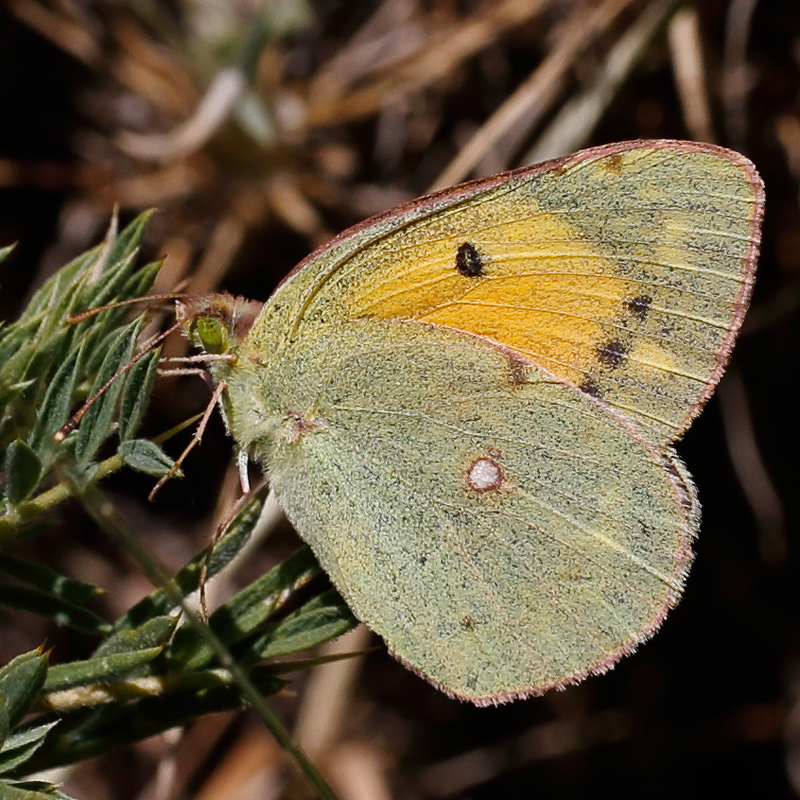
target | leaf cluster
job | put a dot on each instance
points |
(148, 671)
(48, 365)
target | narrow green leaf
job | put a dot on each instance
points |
(74, 287)
(98, 360)
(48, 580)
(141, 282)
(115, 261)
(120, 285)
(27, 735)
(116, 724)
(97, 423)
(35, 789)
(13, 367)
(21, 745)
(153, 633)
(55, 409)
(51, 607)
(145, 456)
(41, 359)
(50, 303)
(99, 333)
(16, 350)
(20, 791)
(50, 353)
(130, 239)
(136, 393)
(98, 670)
(23, 471)
(324, 618)
(20, 682)
(188, 579)
(5, 722)
(108, 285)
(26, 376)
(264, 596)
(249, 608)
(5, 252)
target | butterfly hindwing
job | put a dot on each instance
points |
(501, 530)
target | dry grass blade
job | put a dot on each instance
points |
(535, 96)
(572, 126)
(434, 57)
(737, 78)
(685, 44)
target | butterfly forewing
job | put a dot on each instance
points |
(625, 270)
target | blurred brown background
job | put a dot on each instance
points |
(259, 129)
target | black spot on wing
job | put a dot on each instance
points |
(640, 306)
(591, 387)
(469, 261)
(612, 353)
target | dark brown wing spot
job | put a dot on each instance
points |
(612, 354)
(640, 306)
(517, 370)
(592, 388)
(469, 261)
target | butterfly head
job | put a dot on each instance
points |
(217, 323)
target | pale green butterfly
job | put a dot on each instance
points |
(465, 405)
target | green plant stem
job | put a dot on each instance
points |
(13, 519)
(106, 516)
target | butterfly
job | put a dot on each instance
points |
(466, 405)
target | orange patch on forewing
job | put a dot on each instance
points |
(553, 320)
(544, 290)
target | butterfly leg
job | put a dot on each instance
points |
(196, 439)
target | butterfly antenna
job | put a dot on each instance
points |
(76, 418)
(73, 319)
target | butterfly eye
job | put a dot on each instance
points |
(212, 335)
